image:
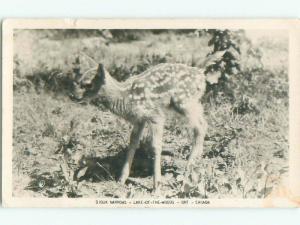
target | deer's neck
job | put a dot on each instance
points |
(116, 97)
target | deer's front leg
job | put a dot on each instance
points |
(133, 145)
(157, 135)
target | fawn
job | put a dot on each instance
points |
(146, 99)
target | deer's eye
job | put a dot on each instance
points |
(87, 86)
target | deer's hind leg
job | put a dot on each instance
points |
(195, 115)
(133, 145)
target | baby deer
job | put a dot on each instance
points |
(145, 99)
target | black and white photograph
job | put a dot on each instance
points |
(149, 115)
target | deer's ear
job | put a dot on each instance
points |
(101, 73)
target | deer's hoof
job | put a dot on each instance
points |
(156, 192)
(156, 189)
(122, 180)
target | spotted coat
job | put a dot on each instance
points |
(147, 98)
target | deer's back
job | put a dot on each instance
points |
(167, 82)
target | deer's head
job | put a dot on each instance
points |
(90, 84)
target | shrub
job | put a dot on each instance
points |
(229, 65)
(127, 35)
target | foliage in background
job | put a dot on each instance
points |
(228, 41)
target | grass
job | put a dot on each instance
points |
(246, 148)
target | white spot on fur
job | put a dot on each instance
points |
(136, 97)
(141, 85)
(182, 96)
